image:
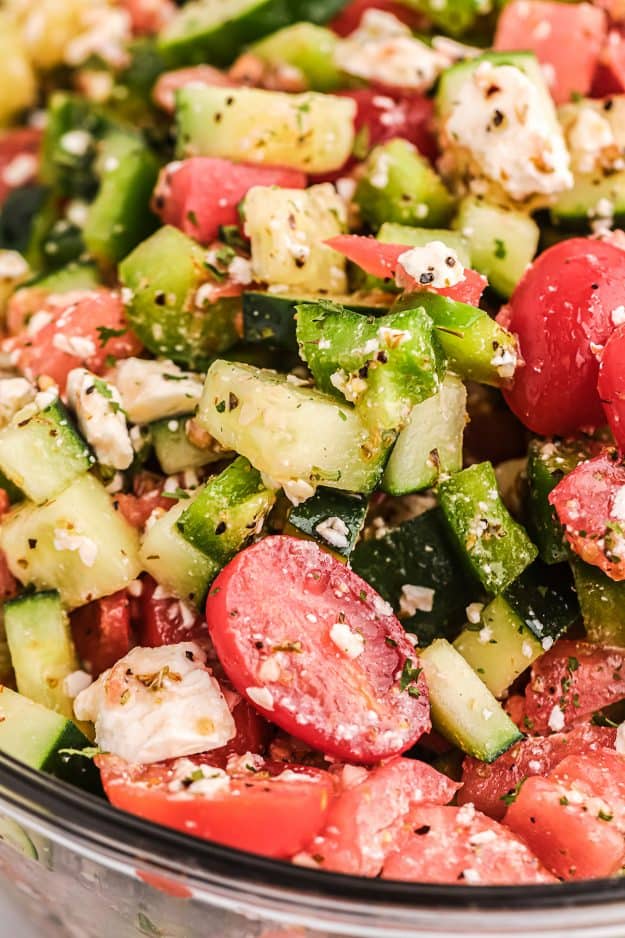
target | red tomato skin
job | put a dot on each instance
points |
(611, 385)
(20, 141)
(561, 312)
(253, 734)
(564, 829)
(569, 43)
(485, 785)
(267, 815)
(436, 847)
(609, 76)
(162, 622)
(86, 312)
(350, 16)
(202, 193)
(585, 503)
(299, 580)
(368, 816)
(148, 17)
(164, 91)
(579, 678)
(102, 632)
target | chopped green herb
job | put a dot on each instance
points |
(105, 333)
(500, 249)
(409, 674)
(177, 494)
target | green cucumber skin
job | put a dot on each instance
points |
(545, 599)
(602, 601)
(328, 503)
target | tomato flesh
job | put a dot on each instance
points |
(102, 632)
(350, 16)
(317, 651)
(163, 621)
(275, 811)
(611, 385)
(164, 91)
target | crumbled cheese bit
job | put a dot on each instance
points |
(471, 876)
(619, 743)
(474, 612)
(43, 399)
(504, 361)
(15, 393)
(190, 778)
(482, 837)
(260, 696)
(415, 598)
(77, 212)
(13, 267)
(433, 265)
(485, 635)
(87, 550)
(527, 650)
(334, 531)
(98, 408)
(135, 588)
(20, 170)
(76, 682)
(240, 270)
(556, 719)
(76, 142)
(618, 315)
(590, 137)
(547, 642)
(152, 390)
(349, 642)
(296, 490)
(78, 346)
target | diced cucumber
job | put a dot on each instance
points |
(463, 709)
(270, 317)
(68, 161)
(548, 462)
(455, 17)
(268, 419)
(602, 602)
(430, 445)
(287, 228)
(503, 241)
(176, 564)
(97, 552)
(544, 598)
(391, 232)
(20, 221)
(333, 519)
(419, 552)
(77, 275)
(476, 346)
(164, 275)
(593, 196)
(311, 132)
(38, 736)
(384, 365)
(41, 452)
(495, 546)
(399, 185)
(229, 509)
(42, 650)
(174, 451)
(120, 217)
(500, 647)
(217, 30)
(308, 48)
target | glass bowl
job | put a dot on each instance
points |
(71, 866)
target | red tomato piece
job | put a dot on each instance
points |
(8, 583)
(19, 158)
(388, 115)
(74, 336)
(589, 503)
(202, 193)
(515, 708)
(148, 17)
(253, 733)
(562, 313)
(164, 620)
(571, 682)
(350, 16)
(382, 260)
(101, 631)
(317, 651)
(573, 819)
(486, 786)
(164, 91)
(367, 817)
(461, 845)
(611, 384)
(566, 38)
(610, 74)
(275, 811)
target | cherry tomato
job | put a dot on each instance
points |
(589, 504)
(101, 631)
(274, 811)
(611, 385)
(562, 313)
(317, 651)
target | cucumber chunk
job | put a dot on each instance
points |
(503, 241)
(419, 552)
(308, 48)
(42, 650)
(430, 445)
(38, 737)
(311, 132)
(383, 365)
(602, 601)
(77, 275)
(178, 566)
(41, 452)
(545, 599)
(399, 185)
(96, 552)
(391, 232)
(227, 512)
(163, 275)
(463, 709)
(173, 449)
(268, 419)
(333, 519)
(495, 546)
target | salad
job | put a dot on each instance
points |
(312, 425)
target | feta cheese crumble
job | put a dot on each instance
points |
(433, 265)
(98, 408)
(157, 703)
(415, 598)
(349, 642)
(151, 390)
(15, 393)
(556, 719)
(334, 531)
(617, 510)
(87, 550)
(261, 696)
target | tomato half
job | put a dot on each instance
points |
(577, 679)
(562, 313)
(102, 632)
(317, 651)
(273, 811)
(573, 820)
(367, 817)
(460, 845)
(589, 504)
(486, 786)
(611, 384)
(202, 193)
